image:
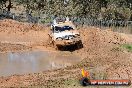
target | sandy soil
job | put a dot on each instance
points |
(101, 55)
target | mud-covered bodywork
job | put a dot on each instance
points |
(65, 36)
(64, 33)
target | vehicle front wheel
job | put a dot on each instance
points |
(55, 46)
(79, 45)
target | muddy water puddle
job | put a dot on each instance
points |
(34, 61)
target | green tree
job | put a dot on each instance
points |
(104, 9)
(3, 4)
(116, 10)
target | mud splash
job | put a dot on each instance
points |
(34, 61)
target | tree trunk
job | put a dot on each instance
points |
(9, 5)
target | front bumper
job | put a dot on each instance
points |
(68, 42)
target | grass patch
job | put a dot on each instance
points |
(127, 47)
(72, 82)
(116, 49)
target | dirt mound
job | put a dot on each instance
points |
(14, 32)
(98, 37)
(12, 25)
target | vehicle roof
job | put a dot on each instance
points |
(62, 24)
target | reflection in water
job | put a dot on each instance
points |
(35, 61)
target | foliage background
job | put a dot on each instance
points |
(97, 9)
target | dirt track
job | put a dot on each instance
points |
(100, 55)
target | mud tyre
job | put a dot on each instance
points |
(79, 45)
(55, 46)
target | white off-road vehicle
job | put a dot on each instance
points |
(64, 33)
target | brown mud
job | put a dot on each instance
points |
(101, 55)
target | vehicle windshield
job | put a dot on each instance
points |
(64, 28)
